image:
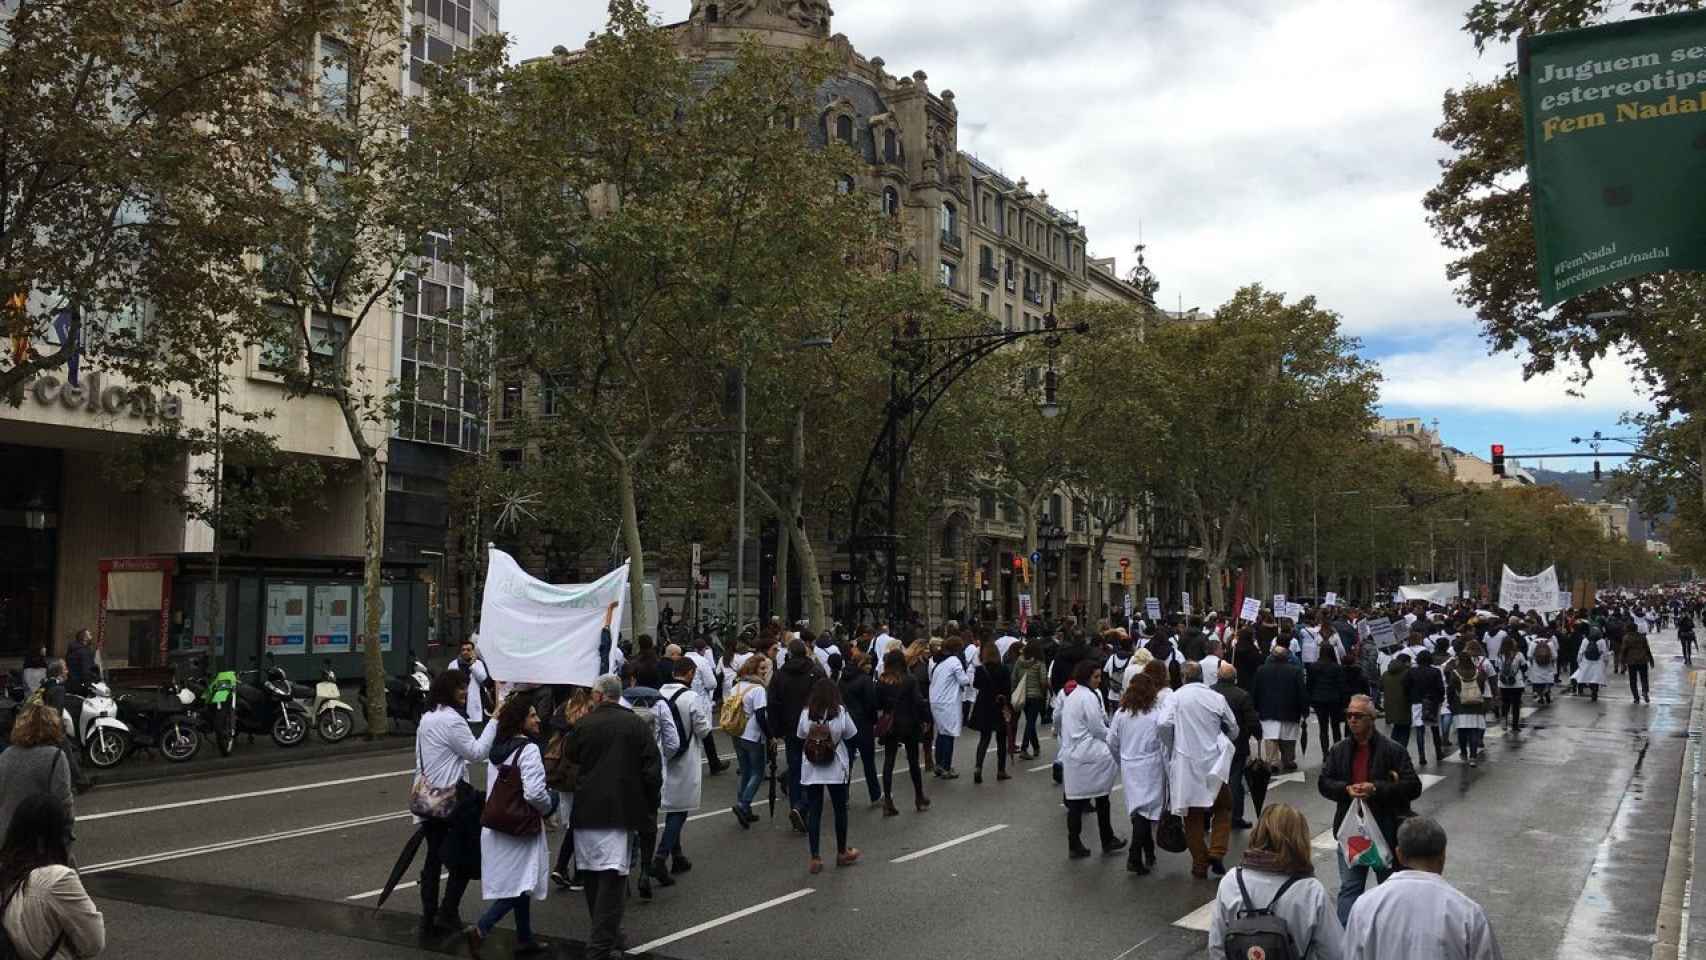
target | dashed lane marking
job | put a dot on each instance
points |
(938, 848)
(726, 918)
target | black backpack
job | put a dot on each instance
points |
(681, 732)
(1591, 651)
(1259, 933)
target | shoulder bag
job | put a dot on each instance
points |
(507, 810)
(425, 800)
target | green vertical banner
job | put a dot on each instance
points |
(1615, 118)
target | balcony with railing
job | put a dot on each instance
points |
(988, 274)
(1033, 296)
(951, 241)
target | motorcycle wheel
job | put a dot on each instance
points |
(335, 725)
(179, 741)
(225, 727)
(107, 747)
(289, 729)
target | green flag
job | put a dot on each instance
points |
(1615, 118)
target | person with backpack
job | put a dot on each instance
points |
(1512, 669)
(1119, 657)
(1271, 905)
(35, 763)
(1467, 689)
(1544, 656)
(44, 910)
(1590, 672)
(824, 728)
(1637, 660)
(745, 718)
(683, 780)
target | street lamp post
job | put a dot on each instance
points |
(1052, 539)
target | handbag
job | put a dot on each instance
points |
(1170, 834)
(1017, 699)
(425, 800)
(884, 725)
(507, 810)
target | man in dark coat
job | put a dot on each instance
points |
(1374, 769)
(787, 695)
(1248, 726)
(1281, 696)
(80, 664)
(619, 777)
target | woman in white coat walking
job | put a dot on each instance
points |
(1087, 765)
(1590, 668)
(948, 681)
(1135, 743)
(515, 870)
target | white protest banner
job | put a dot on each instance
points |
(535, 632)
(1279, 604)
(1252, 610)
(1185, 603)
(1380, 633)
(1331, 601)
(1441, 593)
(1539, 592)
(1152, 607)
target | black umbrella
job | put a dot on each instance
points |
(1256, 777)
(772, 757)
(405, 860)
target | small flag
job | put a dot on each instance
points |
(16, 304)
(65, 324)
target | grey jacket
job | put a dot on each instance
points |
(26, 771)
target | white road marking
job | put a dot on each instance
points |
(235, 844)
(1039, 769)
(727, 918)
(156, 808)
(400, 886)
(1323, 842)
(1295, 777)
(914, 855)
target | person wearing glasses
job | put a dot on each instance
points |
(1369, 767)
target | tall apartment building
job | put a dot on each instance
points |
(991, 243)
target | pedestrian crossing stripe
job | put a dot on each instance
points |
(1324, 842)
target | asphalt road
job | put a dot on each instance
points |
(1563, 835)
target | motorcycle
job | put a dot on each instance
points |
(93, 720)
(166, 719)
(333, 718)
(405, 694)
(270, 705)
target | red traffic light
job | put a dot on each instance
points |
(1498, 459)
(1018, 562)
(1498, 449)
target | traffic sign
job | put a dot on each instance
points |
(1125, 561)
(1036, 556)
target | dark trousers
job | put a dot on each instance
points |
(605, 892)
(566, 852)
(983, 747)
(1422, 743)
(864, 744)
(944, 752)
(1401, 732)
(437, 831)
(717, 762)
(1236, 784)
(1330, 715)
(1075, 810)
(891, 747)
(814, 813)
(1511, 698)
(670, 843)
(796, 801)
(1638, 671)
(1033, 710)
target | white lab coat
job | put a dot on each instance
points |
(1538, 674)
(1194, 723)
(1135, 743)
(704, 674)
(1418, 914)
(968, 655)
(948, 681)
(1591, 671)
(511, 866)
(1087, 764)
(1307, 909)
(684, 776)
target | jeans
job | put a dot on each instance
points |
(751, 757)
(944, 752)
(891, 747)
(523, 907)
(795, 746)
(605, 893)
(670, 842)
(1469, 742)
(814, 813)
(1033, 710)
(1638, 671)
(437, 831)
(864, 745)
(1352, 880)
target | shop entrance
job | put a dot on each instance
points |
(29, 544)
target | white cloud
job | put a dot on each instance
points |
(1458, 376)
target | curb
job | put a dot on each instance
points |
(1675, 898)
(152, 772)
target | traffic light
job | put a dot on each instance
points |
(1596, 471)
(1498, 459)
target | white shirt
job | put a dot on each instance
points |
(1004, 643)
(445, 747)
(477, 677)
(835, 772)
(884, 644)
(1418, 916)
(754, 697)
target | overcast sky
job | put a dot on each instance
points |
(1286, 142)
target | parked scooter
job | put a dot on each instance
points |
(165, 719)
(405, 694)
(92, 719)
(333, 718)
(271, 705)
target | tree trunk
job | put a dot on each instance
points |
(373, 603)
(636, 553)
(779, 596)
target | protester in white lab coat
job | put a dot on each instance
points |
(948, 682)
(1417, 913)
(515, 870)
(1278, 872)
(690, 714)
(1136, 745)
(1197, 725)
(1087, 765)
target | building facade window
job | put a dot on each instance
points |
(983, 303)
(844, 184)
(986, 506)
(1008, 307)
(891, 146)
(510, 406)
(844, 129)
(950, 274)
(891, 202)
